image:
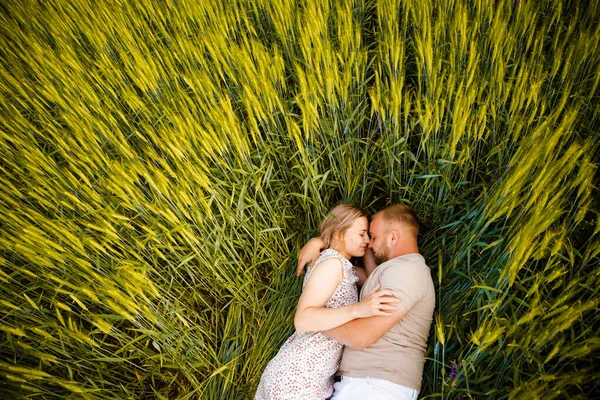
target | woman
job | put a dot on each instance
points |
(306, 363)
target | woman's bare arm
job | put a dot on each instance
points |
(311, 316)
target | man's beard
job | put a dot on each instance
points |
(382, 255)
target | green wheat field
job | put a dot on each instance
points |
(162, 162)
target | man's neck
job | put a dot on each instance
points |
(404, 250)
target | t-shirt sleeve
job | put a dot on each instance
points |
(405, 282)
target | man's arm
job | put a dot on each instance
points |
(361, 274)
(369, 261)
(309, 253)
(405, 283)
(311, 315)
(361, 333)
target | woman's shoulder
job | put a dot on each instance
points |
(328, 258)
(332, 260)
(328, 254)
(331, 256)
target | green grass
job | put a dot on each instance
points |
(162, 163)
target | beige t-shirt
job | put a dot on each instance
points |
(399, 355)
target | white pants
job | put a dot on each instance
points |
(371, 388)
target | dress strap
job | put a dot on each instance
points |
(326, 255)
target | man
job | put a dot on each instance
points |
(384, 356)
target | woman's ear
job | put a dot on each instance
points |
(336, 239)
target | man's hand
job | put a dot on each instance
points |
(309, 253)
(377, 303)
(363, 332)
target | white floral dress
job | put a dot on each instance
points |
(306, 363)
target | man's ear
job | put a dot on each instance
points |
(394, 237)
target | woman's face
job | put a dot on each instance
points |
(356, 238)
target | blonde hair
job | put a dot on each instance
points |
(338, 221)
(403, 214)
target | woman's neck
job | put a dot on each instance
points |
(342, 253)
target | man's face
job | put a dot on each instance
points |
(378, 242)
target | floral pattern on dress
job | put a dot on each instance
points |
(305, 365)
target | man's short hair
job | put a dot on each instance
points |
(403, 214)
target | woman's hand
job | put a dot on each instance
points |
(377, 303)
(309, 254)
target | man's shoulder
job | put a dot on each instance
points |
(408, 269)
(413, 261)
(409, 278)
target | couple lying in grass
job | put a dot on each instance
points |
(377, 345)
